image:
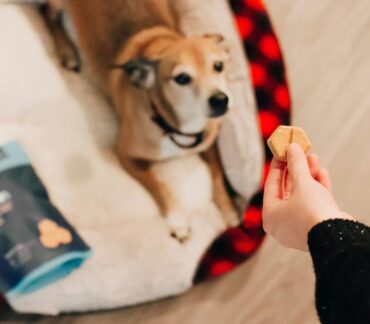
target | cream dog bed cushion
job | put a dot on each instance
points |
(68, 130)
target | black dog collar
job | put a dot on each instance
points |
(171, 132)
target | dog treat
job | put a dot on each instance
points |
(285, 135)
(47, 226)
(49, 241)
(53, 235)
(64, 236)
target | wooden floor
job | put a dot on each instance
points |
(327, 50)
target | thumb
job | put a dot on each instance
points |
(297, 162)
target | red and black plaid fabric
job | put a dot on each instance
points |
(273, 102)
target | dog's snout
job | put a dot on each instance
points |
(219, 104)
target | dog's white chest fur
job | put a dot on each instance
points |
(168, 149)
(149, 143)
(164, 149)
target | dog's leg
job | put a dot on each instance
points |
(220, 194)
(65, 48)
(168, 205)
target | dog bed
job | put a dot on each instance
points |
(68, 130)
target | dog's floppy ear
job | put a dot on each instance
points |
(141, 72)
(218, 38)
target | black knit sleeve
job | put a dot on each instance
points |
(340, 251)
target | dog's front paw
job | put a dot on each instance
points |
(179, 227)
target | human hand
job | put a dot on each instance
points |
(297, 197)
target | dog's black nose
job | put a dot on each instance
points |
(219, 104)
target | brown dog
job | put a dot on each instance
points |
(169, 91)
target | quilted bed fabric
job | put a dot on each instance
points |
(270, 84)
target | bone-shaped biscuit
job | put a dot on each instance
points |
(283, 136)
(52, 235)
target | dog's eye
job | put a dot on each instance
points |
(183, 79)
(218, 66)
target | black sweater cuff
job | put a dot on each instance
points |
(334, 236)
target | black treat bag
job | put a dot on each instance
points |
(37, 245)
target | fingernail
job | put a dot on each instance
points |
(294, 148)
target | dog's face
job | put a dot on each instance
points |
(187, 81)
